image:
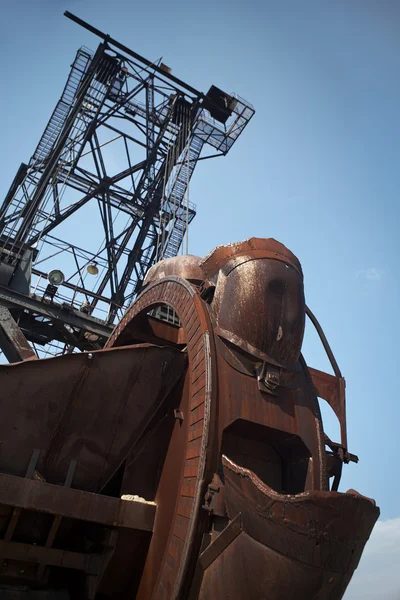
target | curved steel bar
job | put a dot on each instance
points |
(324, 341)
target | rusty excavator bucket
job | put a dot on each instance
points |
(187, 459)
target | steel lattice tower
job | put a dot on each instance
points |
(125, 137)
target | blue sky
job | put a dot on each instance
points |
(317, 167)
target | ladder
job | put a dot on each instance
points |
(179, 212)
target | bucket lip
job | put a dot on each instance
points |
(315, 496)
(321, 529)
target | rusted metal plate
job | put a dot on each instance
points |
(185, 267)
(248, 569)
(28, 494)
(267, 294)
(288, 423)
(325, 530)
(252, 248)
(90, 407)
(296, 547)
(332, 389)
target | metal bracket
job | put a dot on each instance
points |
(207, 290)
(214, 501)
(268, 377)
(178, 414)
(340, 451)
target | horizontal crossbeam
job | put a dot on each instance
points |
(39, 496)
(68, 315)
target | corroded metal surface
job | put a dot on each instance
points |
(214, 418)
(296, 546)
(186, 267)
(88, 407)
(15, 345)
(186, 463)
(28, 494)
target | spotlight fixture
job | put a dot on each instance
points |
(56, 277)
(92, 269)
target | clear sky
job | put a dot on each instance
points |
(317, 168)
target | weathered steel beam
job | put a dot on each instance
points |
(153, 66)
(52, 557)
(225, 538)
(13, 343)
(29, 494)
(13, 299)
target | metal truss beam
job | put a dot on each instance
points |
(113, 168)
(133, 54)
(64, 314)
